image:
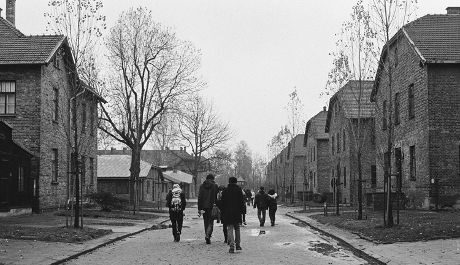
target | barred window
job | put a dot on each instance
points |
(54, 165)
(7, 97)
(411, 103)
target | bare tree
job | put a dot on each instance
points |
(202, 130)
(151, 69)
(243, 161)
(166, 133)
(82, 22)
(389, 16)
(354, 60)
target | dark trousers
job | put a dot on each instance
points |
(208, 223)
(261, 215)
(224, 229)
(271, 213)
(243, 217)
(177, 219)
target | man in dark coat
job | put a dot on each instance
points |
(175, 201)
(261, 202)
(233, 204)
(206, 199)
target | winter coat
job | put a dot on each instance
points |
(272, 204)
(261, 200)
(169, 196)
(233, 204)
(207, 195)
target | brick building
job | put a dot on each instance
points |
(36, 85)
(318, 162)
(350, 125)
(425, 101)
(285, 172)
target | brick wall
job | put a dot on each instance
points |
(444, 132)
(410, 131)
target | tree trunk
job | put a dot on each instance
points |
(360, 187)
(134, 177)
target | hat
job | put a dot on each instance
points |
(176, 186)
(176, 189)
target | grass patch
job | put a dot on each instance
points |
(414, 226)
(51, 234)
(112, 214)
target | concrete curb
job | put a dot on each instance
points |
(113, 240)
(360, 253)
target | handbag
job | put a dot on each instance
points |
(215, 212)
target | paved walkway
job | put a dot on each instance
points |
(14, 251)
(445, 251)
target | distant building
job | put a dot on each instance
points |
(425, 152)
(37, 81)
(350, 125)
(318, 158)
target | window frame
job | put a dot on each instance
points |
(54, 165)
(83, 117)
(55, 116)
(5, 94)
(384, 115)
(412, 164)
(397, 109)
(411, 101)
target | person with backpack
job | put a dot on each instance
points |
(272, 205)
(261, 202)
(175, 201)
(234, 205)
(220, 205)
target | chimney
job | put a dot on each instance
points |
(124, 150)
(453, 10)
(112, 150)
(185, 149)
(324, 108)
(181, 149)
(10, 10)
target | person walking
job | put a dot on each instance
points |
(175, 201)
(206, 199)
(221, 208)
(243, 215)
(272, 205)
(261, 202)
(233, 203)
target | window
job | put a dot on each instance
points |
(411, 107)
(91, 171)
(314, 180)
(83, 117)
(344, 177)
(396, 57)
(397, 120)
(91, 119)
(7, 97)
(338, 142)
(343, 140)
(55, 104)
(56, 62)
(314, 153)
(412, 165)
(384, 115)
(373, 176)
(148, 186)
(54, 165)
(333, 144)
(20, 179)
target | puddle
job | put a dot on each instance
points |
(323, 248)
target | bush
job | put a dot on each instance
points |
(319, 198)
(107, 201)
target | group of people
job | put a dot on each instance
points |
(231, 202)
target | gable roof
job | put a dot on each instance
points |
(434, 38)
(177, 176)
(316, 126)
(169, 158)
(117, 166)
(351, 106)
(16, 48)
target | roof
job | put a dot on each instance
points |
(168, 158)
(315, 127)
(16, 48)
(117, 166)
(437, 37)
(350, 103)
(434, 38)
(177, 176)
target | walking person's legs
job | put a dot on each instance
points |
(173, 219)
(231, 239)
(237, 237)
(264, 213)
(180, 221)
(259, 216)
(271, 213)
(208, 225)
(224, 229)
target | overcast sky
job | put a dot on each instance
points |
(254, 51)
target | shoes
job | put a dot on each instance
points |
(261, 225)
(208, 240)
(273, 224)
(231, 250)
(225, 240)
(238, 248)
(244, 223)
(178, 237)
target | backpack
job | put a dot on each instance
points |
(176, 202)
